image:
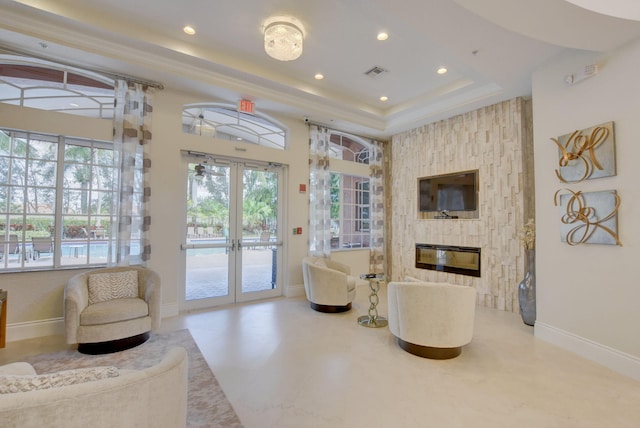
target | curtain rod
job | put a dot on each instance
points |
(104, 73)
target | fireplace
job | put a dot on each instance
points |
(448, 258)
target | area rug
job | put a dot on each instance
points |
(207, 404)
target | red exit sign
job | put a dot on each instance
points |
(245, 106)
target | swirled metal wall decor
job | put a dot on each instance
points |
(586, 154)
(589, 218)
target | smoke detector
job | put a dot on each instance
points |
(586, 72)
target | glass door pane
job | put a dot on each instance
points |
(207, 274)
(259, 231)
(208, 245)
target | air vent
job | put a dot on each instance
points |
(376, 72)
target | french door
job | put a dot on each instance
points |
(232, 243)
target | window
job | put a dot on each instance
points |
(362, 206)
(349, 211)
(226, 123)
(350, 207)
(346, 147)
(56, 198)
(34, 83)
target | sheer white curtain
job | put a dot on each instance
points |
(131, 138)
(376, 202)
(319, 193)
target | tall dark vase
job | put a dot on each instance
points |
(527, 290)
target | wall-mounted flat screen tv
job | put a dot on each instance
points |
(449, 192)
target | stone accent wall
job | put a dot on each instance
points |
(498, 141)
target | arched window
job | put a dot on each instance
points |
(227, 123)
(43, 85)
(348, 147)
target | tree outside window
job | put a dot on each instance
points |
(56, 198)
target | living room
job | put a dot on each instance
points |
(586, 294)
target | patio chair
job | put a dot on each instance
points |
(14, 246)
(265, 236)
(99, 233)
(41, 245)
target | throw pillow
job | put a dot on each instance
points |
(112, 285)
(15, 383)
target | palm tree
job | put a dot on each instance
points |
(76, 165)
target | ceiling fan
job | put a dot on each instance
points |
(201, 170)
(200, 126)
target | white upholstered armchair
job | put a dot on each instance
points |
(431, 320)
(328, 284)
(111, 309)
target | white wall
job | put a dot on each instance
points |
(588, 295)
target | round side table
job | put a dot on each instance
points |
(373, 320)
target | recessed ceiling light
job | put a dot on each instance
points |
(319, 76)
(382, 36)
(383, 98)
(189, 30)
(442, 70)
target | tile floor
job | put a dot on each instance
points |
(283, 365)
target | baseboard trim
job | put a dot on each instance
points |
(170, 310)
(34, 329)
(294, 290)
(55, 326)
(614, 359)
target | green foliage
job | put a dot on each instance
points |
(335, 196)
(260, 198)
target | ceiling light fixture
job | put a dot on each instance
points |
(319, 76)
(283, 38)
(442, 70)
(383, 98)
(382, 36)
(189, 30)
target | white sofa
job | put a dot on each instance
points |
(328, 284)
(431, 320)
(152, 397)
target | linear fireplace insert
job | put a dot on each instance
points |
(448, 258)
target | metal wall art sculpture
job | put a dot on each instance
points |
(589, 218)
(587, 154)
